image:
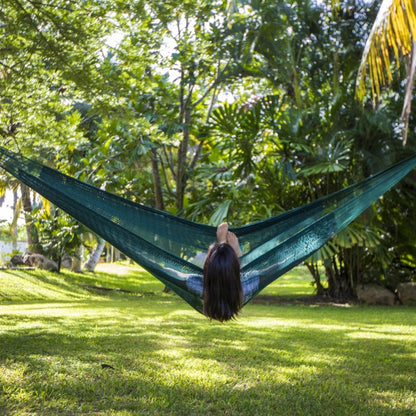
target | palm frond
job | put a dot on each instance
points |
(392, 34)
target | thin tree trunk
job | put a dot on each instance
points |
(295, 81)
(32, 234)
(157, 183)
(314, 271)
(181, 178)
(113, 255)
(407, 105)
(94, 256)
(15, 220)
(77, 259)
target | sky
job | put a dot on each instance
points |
(6, 209)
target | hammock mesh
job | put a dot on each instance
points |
(167, 246)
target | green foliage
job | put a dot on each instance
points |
(309, 139)
(45, 53)
(8, 234)
(59, 233)
(5, 232)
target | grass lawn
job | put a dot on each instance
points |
(59, 335)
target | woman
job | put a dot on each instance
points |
(223, 294)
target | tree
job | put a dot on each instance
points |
(47, 59)
(392, 38)
(94, 256)
(148, 117)
(309, 137)
(160, 104)
(59, 233)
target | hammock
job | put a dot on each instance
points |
(169, 247)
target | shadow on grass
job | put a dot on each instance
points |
(168, 360)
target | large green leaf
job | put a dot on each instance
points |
(220, 214)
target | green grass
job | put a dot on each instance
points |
(276, 359)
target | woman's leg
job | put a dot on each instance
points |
(232, 240)
(225, 236)
(222, 232)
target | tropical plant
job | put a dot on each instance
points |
(305, 141)
(391, 40)
(59, 233)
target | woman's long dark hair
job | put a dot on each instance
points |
(223, 294)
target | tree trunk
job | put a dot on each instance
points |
(185, 118)
(181, 177)
(77, 259)
(94, 257)
(340, 281)
(157, 183)
(113, 255)
(313, 269)
(407, 105)
(32, 234)
(15, 220)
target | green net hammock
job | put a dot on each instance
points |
(168, 246)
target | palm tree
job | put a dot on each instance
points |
(95, 255)
(394, 30)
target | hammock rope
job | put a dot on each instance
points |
(168, 246)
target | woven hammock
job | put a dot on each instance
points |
(169, 247)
